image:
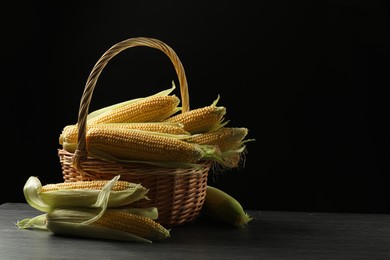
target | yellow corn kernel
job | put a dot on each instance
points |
(149, 109)
(95, 184)
(70, 132)
(130, 144)
(200, 120)
(226, 138)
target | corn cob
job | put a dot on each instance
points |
(93, 185)
(202, 119)
(81, 193)
(226, 138)
(149, 109)
(222, 207)
(111, 219)
(106, 109)
(138, 225)
(129, 144)
(69, 133)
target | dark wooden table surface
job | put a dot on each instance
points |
(271, 235)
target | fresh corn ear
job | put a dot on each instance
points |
(81, 194)
(150, 109)
(106, 109)
(113, 224)
(143, 146)
(202, 119)
(220, 206)
(68, 136)
(93, 185)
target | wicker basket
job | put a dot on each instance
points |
(178, 193)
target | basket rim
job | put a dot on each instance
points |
(204, 165)
(81, 151)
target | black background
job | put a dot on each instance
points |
(307, 78)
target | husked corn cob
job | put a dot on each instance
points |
(70, 132)
(159, 127)
(226, 138)
(95, 185)
(130, 144)
(130, 223)
(149, 109)
(200, 120)
(111, 220)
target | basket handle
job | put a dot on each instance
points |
(81, 152)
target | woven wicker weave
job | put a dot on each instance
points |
(178, 193)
